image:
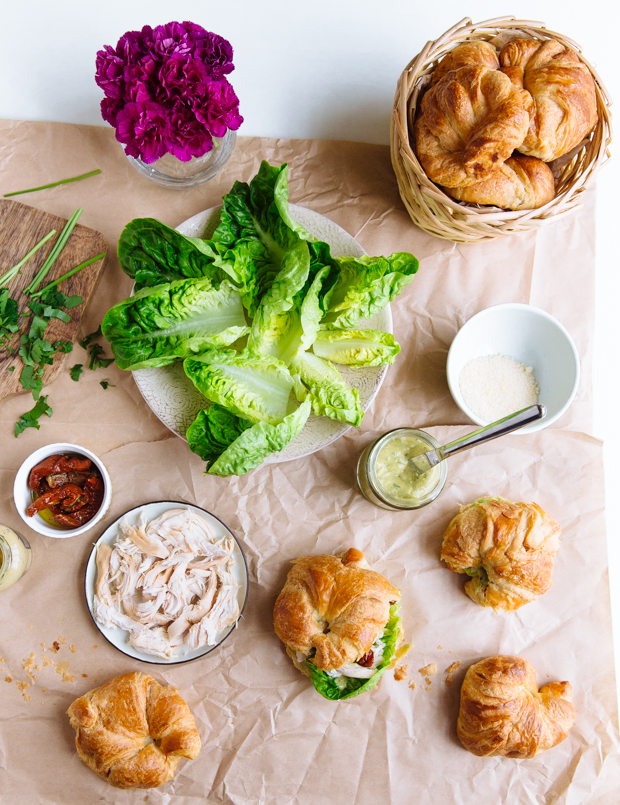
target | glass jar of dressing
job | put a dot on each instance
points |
(15, 557)
(386, 478)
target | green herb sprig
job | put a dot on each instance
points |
(31, 418)
(53, 255)
(53, 184)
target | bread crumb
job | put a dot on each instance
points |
(63, 669)
(412, 685)
(428, 688)
(42, 704)
(440, 648)
(449, 652)
(38, 667)
(62, 640)
(429, 670)
(95, 646)
(31, 627)
(26, 698)
(85, 676)
(8, 679)
(42, 645)
(59, 620)
(28, 664)
(55, 647)
(451, 670)
(400, 673)
(427, 679)
(72, 648)
(48, 661)
(43, 690)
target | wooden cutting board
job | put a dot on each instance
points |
(21, 228)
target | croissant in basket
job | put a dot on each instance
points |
(521, 183)
(339, 621)
(503, 713)
(470, 123)
(133, 732)
(507, 548)
(563, 92)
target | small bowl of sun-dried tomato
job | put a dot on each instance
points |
(62, 490)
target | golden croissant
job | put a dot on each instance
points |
(563, 93)
(339, 622)
(507, 548)
(502, 711)
(133, 732)
(521, 183)
(470, 123)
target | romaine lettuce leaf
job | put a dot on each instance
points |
(153, 253)
(252, 217)
(328, 686)
(254, 387)
(367, 284)
(258, 442)
(213, 431)
(356, 347)
(329, 393)
(173, 321)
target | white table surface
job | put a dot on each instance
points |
(324, 69)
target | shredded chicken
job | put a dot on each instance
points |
(169, 583)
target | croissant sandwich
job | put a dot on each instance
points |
(507, 548)
(503, 713)
(339, 621)
(133, 732)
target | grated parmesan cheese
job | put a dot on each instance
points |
(494, 386)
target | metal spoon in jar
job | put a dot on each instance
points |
(426, 461)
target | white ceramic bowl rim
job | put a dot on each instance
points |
(21, 492)
(453, 381)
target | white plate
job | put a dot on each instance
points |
(174, 399)
(119, 637)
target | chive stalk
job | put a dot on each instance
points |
(68, 274)
(53, 184)
(53, 255)
(6, 278)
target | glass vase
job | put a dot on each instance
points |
(168, 171)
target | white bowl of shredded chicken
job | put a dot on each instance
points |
(166, 583)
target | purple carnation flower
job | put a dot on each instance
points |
(143, 129)
(219, 109)
(187, 136)
(166, 90)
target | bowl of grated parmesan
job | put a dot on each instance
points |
(511, 356)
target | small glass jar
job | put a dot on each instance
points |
(372, 464)
(169, 171)
(15, 556)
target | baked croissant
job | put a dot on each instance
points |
(133, 732)
(508, 549)
(521, 183)
(563, 92)
(475, 52)
(503, 713)
(331, 611)
(470, 123)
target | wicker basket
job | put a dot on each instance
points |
(434, 211)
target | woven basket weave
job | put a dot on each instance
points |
(437, 213)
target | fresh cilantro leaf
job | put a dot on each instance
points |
(56, 298)
(96, 362)
(88, 339)
(30, 379)
(31, 418)
(11, 368)
(106, 384)
(37, 327)
(76, 371)
(63, 346)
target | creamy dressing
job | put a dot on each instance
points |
(15, 557)
(397, 477)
